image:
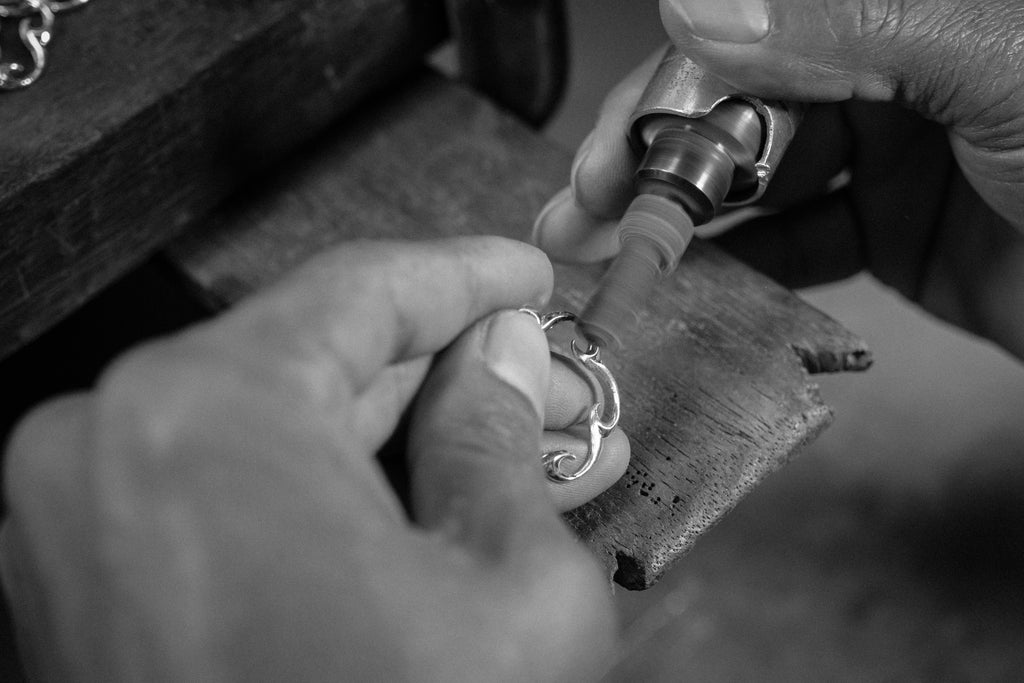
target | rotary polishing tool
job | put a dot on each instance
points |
(703, 146)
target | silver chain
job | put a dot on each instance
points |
(35, 29)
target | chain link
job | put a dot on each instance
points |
(35, 29)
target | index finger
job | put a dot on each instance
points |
(602, 172)
(580, 224)
(365, 305)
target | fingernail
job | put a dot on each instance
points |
(731, 21)
(516, 351)
(540, 226)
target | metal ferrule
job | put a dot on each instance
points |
(683, 100)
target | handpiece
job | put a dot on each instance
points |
(704, 146)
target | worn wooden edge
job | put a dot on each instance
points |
(723, 337)
(716, 385)
(150, 114)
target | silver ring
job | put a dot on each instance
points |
(601, 419)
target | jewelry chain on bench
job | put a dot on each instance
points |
(603, 415)
(35, 29)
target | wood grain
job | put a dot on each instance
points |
(152, 112)
(715, 379)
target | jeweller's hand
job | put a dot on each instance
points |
(214, 510)
(921, 106)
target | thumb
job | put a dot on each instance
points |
(951, 58)
(955, 62)
(477, 481)
(474, 441)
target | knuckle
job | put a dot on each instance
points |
(854, 23)
(132, 376)
(150, 394)
(40, 463)
(892, 24)
(22, 468)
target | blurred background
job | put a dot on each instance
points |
(893, 547)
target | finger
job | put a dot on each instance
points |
(569, 402)
(44, 461)
(47, 563)
(368, 304)
(814, 243)
(570, 396)
(474, 445)
(947, 59)
(609, 467)
(380, 407)
(602, 172)
(579, 224)
(567, 233)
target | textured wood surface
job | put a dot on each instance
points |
(715, 381)
(152, 112)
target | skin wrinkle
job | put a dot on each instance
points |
(997, 138)
(874, 20)
(939, 82)
(979, 38)
(489, 431)
(406, 327)
(569, 381)
(830, 20)
(500, 420)
(905, 30)
(976, 32)
(1004, 47)
(911, 29)
(1006, 166)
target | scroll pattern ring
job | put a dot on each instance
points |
(603, 415)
